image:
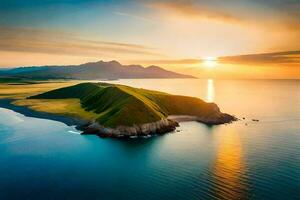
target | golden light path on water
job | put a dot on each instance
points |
(229, 168)
(210, 92)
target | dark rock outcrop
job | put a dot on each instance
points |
(159, 127)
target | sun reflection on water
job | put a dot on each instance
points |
(229, 169)
(210, 94)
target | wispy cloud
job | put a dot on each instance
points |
(168, 61)
(193, 9)
(133, 16)
(268, 13)
(287, 57)
(285, 12)
(50, 42)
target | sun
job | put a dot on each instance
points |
(210, 62)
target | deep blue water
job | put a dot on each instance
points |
(44, 159)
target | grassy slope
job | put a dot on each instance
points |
(20, 90)
(114, 105)
(67, 107)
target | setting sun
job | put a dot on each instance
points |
(210, 62)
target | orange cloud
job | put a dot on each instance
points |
(276, 14)
(49, 42)
(193, 9)
(274, 58)
(168, 61)
(282, 58)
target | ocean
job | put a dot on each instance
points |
(46, 159)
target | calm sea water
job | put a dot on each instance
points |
(44, 159)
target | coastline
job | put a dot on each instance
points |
(68, 120)
(160, 127)
(87, 127)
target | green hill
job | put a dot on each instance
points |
(117, 105)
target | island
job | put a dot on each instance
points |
(113, 110)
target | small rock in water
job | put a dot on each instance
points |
(244, 118)
(255, 120)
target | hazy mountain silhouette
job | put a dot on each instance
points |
(92, 70)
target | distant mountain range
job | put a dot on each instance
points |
(92, 70)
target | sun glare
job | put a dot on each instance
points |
(210, 62)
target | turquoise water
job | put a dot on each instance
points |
(44, 159)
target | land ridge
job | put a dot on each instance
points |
(123, 111)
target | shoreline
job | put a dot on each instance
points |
(146, 130)
(68, 120)
(89, 127)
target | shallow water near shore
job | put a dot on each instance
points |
(45, 159)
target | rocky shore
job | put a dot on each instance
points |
(148, 129)
(160, 127)
(223, 118)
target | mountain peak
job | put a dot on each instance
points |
(153, 67)
(114, 62)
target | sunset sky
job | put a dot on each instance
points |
(204, 38)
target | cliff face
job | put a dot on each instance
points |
(159, 127)
(126, 111)
(216, 117)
